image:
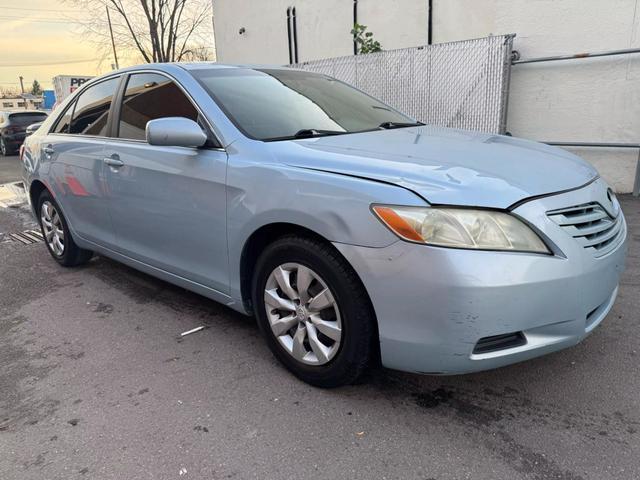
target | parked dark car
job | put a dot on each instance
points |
(13, 126)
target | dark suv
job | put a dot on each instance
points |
(13, 126)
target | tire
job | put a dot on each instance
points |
(5, 151)
(344, 360)
(52, 222)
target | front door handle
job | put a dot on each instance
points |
(113, 161)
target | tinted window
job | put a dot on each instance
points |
(92, 109)
(27, 118)
(272, 104)
(149, 96)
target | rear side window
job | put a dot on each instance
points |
(92, 109)
(149, 96)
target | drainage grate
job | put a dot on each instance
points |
(27, 237)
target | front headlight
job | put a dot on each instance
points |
(461, 228)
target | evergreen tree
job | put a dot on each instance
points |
(36, 89)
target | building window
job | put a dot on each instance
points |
(7, 104)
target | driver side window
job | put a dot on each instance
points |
(149, 96)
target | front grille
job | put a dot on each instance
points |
(591, 226)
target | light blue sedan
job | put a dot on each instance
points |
(353, 233)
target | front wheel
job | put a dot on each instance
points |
(313, 311)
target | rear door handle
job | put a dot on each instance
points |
(113, 161)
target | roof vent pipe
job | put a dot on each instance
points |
(430, 23)
(355, 21)
(295, 34)
(289, 35)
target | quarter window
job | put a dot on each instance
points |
(62, 124)
(150, 96)
(92, 109)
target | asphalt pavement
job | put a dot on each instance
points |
(96, 382)
(10, 168)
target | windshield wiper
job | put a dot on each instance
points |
(313, 132)
(390, 125)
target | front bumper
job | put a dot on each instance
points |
(434, 304)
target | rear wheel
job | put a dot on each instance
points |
(56, 234)
(313, 311)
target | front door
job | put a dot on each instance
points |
(168, 204)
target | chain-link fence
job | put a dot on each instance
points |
(459, 84)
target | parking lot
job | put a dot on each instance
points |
(96, 382)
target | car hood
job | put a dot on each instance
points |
(447, 166)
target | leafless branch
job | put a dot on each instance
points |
(154, 30)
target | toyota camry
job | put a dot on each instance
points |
(354, 234)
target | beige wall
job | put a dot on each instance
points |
(587, 100)
(583, 100)
(323, 27)
(19, 104)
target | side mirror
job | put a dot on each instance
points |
(175, 132)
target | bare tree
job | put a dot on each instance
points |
(157, 30)
(199, 54)
(9, 92)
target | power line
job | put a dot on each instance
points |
(37, 9)
(39, 20)
(42, 64)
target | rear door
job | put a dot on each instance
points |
(75, 152)
(168, 204)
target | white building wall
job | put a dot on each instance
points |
(582, 100)
(590, 100)
(20, 103)
(324, 27)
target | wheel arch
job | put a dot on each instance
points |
(35, 190)
(255, 244)
(271, 232)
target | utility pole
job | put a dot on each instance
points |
(113, 43)
(24, 100)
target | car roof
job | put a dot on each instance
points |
(209, 65)
(196, 66)
(170, 68)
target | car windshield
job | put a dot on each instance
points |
(281, 104)
(27, 118)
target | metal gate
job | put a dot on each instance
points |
(459, 84)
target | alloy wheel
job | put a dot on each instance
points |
(52, 227)
(3, 147)
(303, 314)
